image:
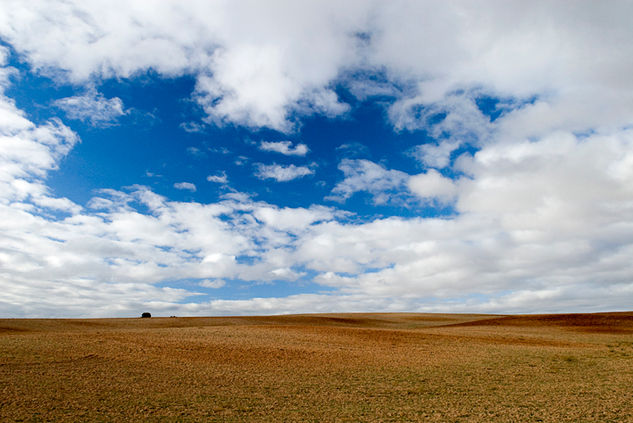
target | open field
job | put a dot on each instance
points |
(345, 367)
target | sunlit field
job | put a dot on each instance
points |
(321, 368)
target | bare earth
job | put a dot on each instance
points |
(321, 368)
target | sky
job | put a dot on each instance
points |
(246, 157)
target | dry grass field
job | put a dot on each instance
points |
(320, 368)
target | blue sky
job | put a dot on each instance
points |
(246, 158)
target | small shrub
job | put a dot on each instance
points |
(146, 315)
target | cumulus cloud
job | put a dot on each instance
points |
(531, 213)
(452, 121)
(282, 173)
(432, 186)
(542, 214)
(188, 186)
(212, 283)
(292, 218)
(249, 71)
(365, 86)
(435, 155)
(218, 179)
(28, 152)
(192, 127)
(385, 186)
(542, 226)
(5, 71)
(252, 66)
(284, 147)
(92, 107)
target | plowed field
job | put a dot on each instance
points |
(320, 368)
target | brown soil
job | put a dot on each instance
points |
(621, 322)
(321, 368)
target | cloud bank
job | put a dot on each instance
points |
(543, 200)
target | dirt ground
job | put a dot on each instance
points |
(320, 368)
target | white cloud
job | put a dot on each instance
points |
(196, 152)
(285, 273)
(252, 66)
(385, 186)
(192, 127)
(353, 150)
(436, 155)
(213, 283)
(365, 87)
(284, 147)
(92, 107)
(432, 186)
(452, 121)
(292, 219)
(4, 55)
(218, 179)
(542, 214)
(282, 173)
(185, 186)
(455, 117)
(543, 218)
(5, 71)
(390, 186)
(27, 153)
(542, 226)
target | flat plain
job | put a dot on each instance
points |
(320, 368)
